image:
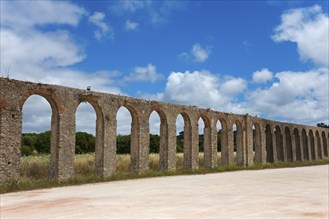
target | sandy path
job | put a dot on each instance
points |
(290, 193)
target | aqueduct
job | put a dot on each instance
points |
(257, 140)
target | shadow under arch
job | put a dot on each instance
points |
(55, 106)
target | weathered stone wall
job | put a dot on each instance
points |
(257, 140)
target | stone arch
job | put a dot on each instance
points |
(187, 139)
(318, 144)
(226, 156)
(163, 148)
(311, 144)
(298, 145)
(269, 144)
(305, 145)
(206, 139)
(324, 144)
(239, 143)
(257, 140)
(279, 143)
(288, 146)
(99, 134)
(54, 140)
(134, 136)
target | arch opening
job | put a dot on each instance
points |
(124, 139)
(39, 136)
(279, 143)
(85, 139)
(222, 142)
(183, 141)
(155, 140)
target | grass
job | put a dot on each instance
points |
(34, 170)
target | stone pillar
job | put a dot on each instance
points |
(134, 145)
(248, 142)
(284, 145)
(308, 140)
(321, 154)
(328, 146)
(301, 146)
(66, 146)
(140, 138)
(262, 147)
(10, 143)
(210, 145)
(194, 144)
(109, 147)
(164, 140)
(275, 152)
(225, 153)
(241, 151)
(228, 151)
(315, 139)
(293, 147)
(171, 160)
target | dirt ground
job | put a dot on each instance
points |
(290, 193)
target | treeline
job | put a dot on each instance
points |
(33, 143)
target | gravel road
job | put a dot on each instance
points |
(289, 193)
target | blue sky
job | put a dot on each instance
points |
(266, 58)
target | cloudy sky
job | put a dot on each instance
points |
(265, 58)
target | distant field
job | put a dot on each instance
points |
(34, 170)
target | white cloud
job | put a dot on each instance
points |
(300, 97)
(153, 12)
(33, 54)
(25, 14)
(309, 29)
(262, 76)
(103, 29)
(131, 26)
(144, 74)
(203, 89)
(198, 54)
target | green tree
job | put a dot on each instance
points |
(84, 143)
(42, 144)
(322, 125)
(123, 144)
(154, 143)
